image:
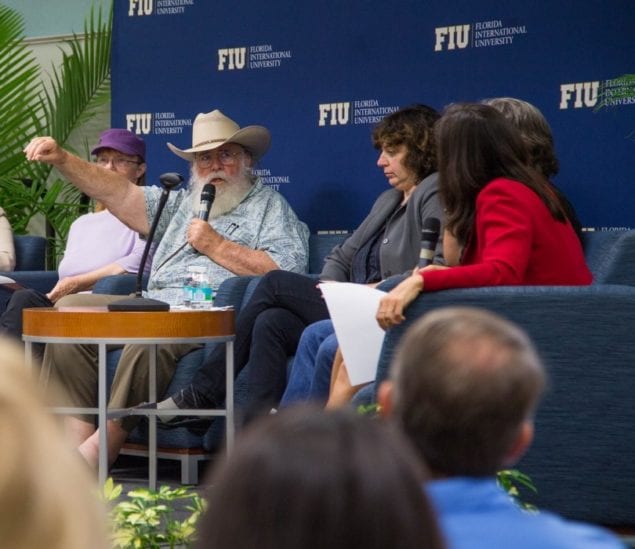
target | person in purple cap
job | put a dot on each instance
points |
(119, 248)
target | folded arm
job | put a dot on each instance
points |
(82, 282)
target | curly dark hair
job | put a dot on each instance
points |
(413, 127)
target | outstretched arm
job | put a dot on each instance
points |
(123, 198)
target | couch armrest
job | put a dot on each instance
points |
(42, 281)
(123, 284)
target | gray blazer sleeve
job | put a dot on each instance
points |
(337, 265)
(401, 243)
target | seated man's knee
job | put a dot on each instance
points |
(135, 354)
(278, 278)
(271, 322)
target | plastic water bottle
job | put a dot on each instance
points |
(187, 290)
(200, 289)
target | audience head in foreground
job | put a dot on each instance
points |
(313, 479)
(464, 386)
(46, 495)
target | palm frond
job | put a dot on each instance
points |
(20, 92)
(78, 89)
(82, 84)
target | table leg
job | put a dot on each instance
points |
(229, 392)
(28, 353)
(152, 420)
(102, 414)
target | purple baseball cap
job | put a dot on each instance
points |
(123, 141)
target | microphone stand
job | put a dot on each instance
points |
(138, 302)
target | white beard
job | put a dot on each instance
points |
(229, 193)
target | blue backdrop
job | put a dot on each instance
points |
(320, 74)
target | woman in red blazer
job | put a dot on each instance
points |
(504, 215)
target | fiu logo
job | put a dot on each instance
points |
(337, 114)
(139, 123)
(231, 58)
(139, 7)
(453, 37)
(584, 94)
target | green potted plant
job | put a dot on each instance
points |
(79, 89)
(147, 518)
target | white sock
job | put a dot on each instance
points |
(167, 404)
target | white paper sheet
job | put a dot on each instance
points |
(353, 308)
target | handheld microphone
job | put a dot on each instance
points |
(207, 199)
(137, 302)
(429, 239)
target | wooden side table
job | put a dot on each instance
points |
(97, 325)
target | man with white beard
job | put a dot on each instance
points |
(251, 230)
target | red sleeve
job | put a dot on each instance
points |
(501, 245)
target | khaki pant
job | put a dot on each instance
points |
(74, 369)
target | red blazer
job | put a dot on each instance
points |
(515, 241)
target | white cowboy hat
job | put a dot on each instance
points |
(213, 129)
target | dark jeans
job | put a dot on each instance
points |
(5, 296)
(11, 319)
(268, 329)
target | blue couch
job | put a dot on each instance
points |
(582, 458)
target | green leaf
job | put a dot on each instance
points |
(80, 88)
(111, 491)
(508, 479)
(20, 92)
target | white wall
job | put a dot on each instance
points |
(53, 17)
